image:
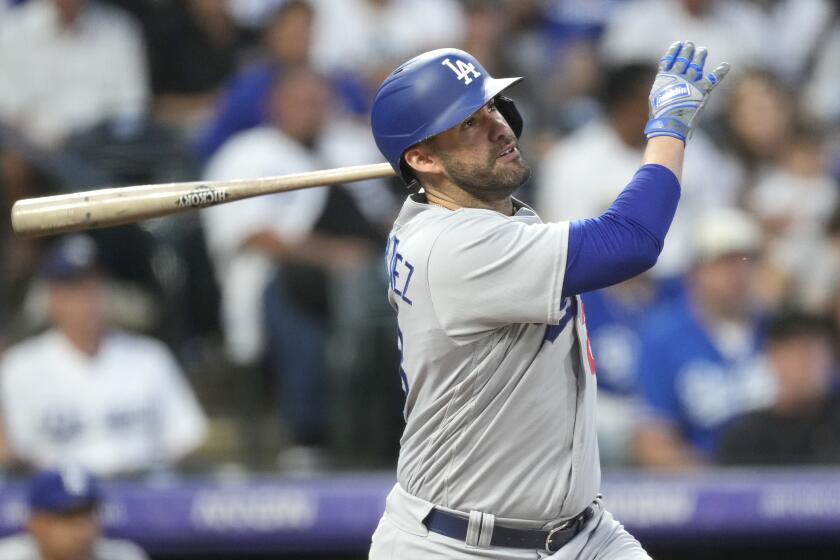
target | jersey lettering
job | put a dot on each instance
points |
(62, 425)
(137, 418)
(462, 70)
(400, 271)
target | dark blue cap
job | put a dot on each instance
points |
(69, 259)
(64, 490)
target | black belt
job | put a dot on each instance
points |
(455, 527)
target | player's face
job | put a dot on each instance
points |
(802, 365)
(481, 155)
(65, 537)
(78, 307)
(299, 105)
(728, 283)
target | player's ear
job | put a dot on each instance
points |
(421, 159)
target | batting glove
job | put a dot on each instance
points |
(680, 91)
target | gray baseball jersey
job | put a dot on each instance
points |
(499, 378)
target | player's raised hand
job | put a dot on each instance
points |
(680, 91)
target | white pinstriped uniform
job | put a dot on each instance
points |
(500, 382)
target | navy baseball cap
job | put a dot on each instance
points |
(63, 491)
(69, 259)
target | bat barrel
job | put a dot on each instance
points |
(108, 207)
(99, 208)
(74, 212)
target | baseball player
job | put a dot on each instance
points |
(63, 521)
(499, 457)
(83, 392)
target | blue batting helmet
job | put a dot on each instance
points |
(432, 93)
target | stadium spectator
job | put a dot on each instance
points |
(614, 317)
(77, 113)
(251, 14)
(567, 188)
(528, 48)
(732, 29)
(484, 29)
(81, 392)
(74, 64)
(343, 40)
(820, 93)
(794, 201)
(801, 425)
(287, 39)
(699, 365)
(795, 34)
(558, 41)
(759, 122)
(275, 256)
(63, 522)
(364, 35)
(19, 256)
(193, 48)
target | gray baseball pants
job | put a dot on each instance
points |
(401, 535)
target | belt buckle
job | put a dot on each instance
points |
(562, 527)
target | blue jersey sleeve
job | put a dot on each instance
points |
(657, 378)
(626, 239)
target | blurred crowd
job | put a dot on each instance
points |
(256, 334)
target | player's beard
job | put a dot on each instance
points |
(488, 179)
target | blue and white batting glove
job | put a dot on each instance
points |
(680, 91)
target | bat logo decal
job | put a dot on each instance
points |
(201, 196)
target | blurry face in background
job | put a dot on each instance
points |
(760, 116)
(209, 9)
(726, 285)
(805, 156)
(484, 25)
(77, 308)
(523, 13)
(288, 37)
(69, 10)
(65, 537)
(299, 105)
(629, 116)
(802, 365)
(697, 8)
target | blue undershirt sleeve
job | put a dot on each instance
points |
(626, 239)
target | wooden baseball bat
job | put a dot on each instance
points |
(47, 215)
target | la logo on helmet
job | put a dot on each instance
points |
(462, 70)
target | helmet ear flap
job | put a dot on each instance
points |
(406, 172)
(511, 114)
